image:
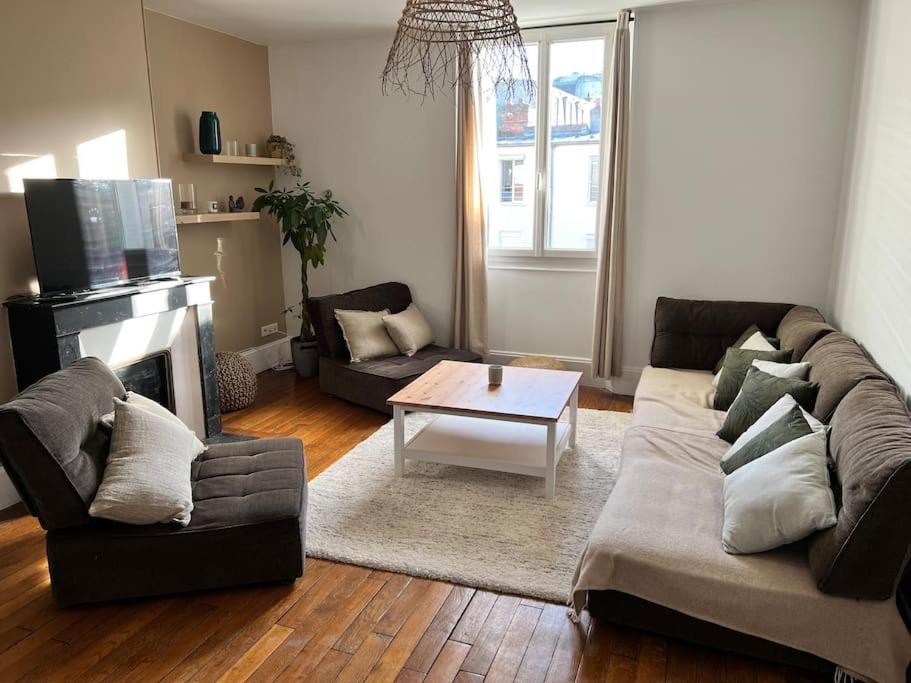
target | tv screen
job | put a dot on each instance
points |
(89, 234)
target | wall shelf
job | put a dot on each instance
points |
(237, 160)
(222, 217)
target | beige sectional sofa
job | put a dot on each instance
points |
(655, 559)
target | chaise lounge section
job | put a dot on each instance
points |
(369, 383)
(654, 559)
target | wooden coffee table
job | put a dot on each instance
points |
(514, 427)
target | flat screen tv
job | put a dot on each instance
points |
(91, 234)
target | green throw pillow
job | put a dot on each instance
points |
(750, 331)
(792, 425)
(736, 364)
(760, 392)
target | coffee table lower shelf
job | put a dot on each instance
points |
(489, 444)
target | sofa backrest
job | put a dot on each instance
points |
(50, 444)
(864, 554)
(392, 295)
(693, 335)
(800, 329)
(837, 364)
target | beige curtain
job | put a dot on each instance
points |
(469, 318)
(606, 360)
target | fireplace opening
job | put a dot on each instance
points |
(151, 377)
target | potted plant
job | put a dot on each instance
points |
(306, 222)
(278, 147)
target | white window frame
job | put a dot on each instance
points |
(540, 257)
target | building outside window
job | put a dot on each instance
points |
(512, 186)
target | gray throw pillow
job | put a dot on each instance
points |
(734, 371)
(780, 498)
(147, 476)
(760, 392)
(792, 425)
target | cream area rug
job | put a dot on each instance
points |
(472, 527)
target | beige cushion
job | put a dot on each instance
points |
(155, 408)
(409, 330)
(147, 476)
(365, 334)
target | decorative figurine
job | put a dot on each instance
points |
(231, 205)
(239, 203)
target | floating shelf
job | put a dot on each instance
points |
(227, 159)
(222, 217)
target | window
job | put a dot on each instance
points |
(512, 187)
(542, 148)
(594, 176)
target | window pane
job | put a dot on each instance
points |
(574, 120)
(510, 141)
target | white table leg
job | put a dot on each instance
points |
(550, 473)
(573, 417)
(398, 418)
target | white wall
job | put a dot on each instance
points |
(390, 161)
(740, 115)
(871, 285)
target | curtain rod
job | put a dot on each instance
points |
(575, 23)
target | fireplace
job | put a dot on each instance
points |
(157, 337)
(150, 376)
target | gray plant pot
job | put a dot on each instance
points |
(306, 357)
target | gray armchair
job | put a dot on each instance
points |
(250, 499)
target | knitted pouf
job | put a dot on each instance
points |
(236, 381)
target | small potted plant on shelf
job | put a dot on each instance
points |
(306, 222)
(278, 147)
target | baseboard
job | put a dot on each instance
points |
(8, 495)
(269, 355)
(626, 384)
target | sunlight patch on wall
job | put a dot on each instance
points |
(104, 157)
(36, 167)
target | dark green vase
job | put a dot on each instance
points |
(209, 133)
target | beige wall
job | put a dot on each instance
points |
(194, 69)
(872, 274)
(72, 72)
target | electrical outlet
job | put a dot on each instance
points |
(266, 330)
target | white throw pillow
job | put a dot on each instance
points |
(756, 342)
(365, 334)
(770, 417)
(155, 408)
(147, 476)
(409, 330)
(786, 370)
(780, 498)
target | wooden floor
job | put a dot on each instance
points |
(338, 622)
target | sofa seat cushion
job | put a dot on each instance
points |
(802, 327)
(864, 555)
(248, 482)
(248, 526)
(678, 400)
(837, 364)
(401, 367)
(659, 538)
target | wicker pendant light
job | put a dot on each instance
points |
(438, 42)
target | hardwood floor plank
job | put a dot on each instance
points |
(682, 663)
(362, 661)
(330, 666)
(540, 650)
(369, 617)
(621, 669)
(331, 629)
(512, 649)
(488, 640)
(257, 654)
(436, 635)
(466, 631)
(652, 659)
(398, 613)
(447, 664)
(624, 641)
(568, 654)
(596, 655)
(393, 659)
(409, 676)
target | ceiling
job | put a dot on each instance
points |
(276, 22)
